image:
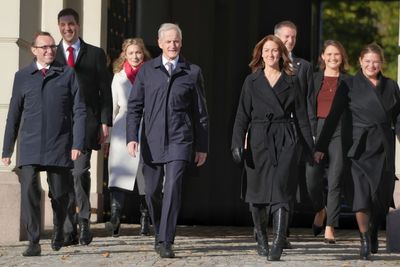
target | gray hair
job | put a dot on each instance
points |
(167, 27)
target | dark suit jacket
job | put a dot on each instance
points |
(48, 116)
(95, 83)
(175, 118)
(304, 72)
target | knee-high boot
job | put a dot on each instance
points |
(113, 226)
(260, 221)
(144, 217)
(280, 223)
(365, 250)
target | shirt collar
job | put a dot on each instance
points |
(174, 62)
(39, 66)
(76, 45)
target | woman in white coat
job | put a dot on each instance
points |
(123, 169)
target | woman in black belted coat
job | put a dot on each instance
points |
(374, 103)
(273, 112)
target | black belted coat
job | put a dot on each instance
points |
(276, 121)
(375, 113)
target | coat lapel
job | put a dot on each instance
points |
(371, 99)
(82, 51)
(261, 83)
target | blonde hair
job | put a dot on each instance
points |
(119, 62)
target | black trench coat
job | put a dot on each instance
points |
(374, 112)
(276, 120)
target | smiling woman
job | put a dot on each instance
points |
(271, 110)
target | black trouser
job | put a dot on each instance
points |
(315, 175)
(80, 197)
(164, 201)
(60, 184)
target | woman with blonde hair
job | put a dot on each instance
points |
(123, 169)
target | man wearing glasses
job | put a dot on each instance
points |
(47, 114)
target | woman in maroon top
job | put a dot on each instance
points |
(333, 66)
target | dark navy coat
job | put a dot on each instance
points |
(174, 110)
(47, 114)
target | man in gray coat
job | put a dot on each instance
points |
(47, 114)
(169, 94)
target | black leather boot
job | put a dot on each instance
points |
(144, 217)
(85, 236)
(260, 221)
(374, 239)
(365, 249)
(280, 222)
(113, 226)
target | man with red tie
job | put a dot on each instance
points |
(89, 63)
(47, 114)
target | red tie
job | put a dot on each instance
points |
(71, 61)
(44, 71)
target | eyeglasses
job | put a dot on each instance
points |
(47, 47)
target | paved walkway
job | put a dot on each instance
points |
(198, 246)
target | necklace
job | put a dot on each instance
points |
(330, 83)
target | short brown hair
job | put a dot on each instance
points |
(68, 12)
(37, 34)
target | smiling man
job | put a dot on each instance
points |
(47, 114)
(89, 63)
(169, 94)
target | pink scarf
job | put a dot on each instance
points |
(131, 72)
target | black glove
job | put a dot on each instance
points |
(237, 154)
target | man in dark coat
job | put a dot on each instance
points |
(287, 32)
(169, 94)
(89, 63)
(48, 115)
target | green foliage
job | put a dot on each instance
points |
(358, 23)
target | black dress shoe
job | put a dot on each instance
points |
(85, 236)
(71, 240)
(329, 240)
(317, 229)
(166, 250)
(32, 250)
(287, 244)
